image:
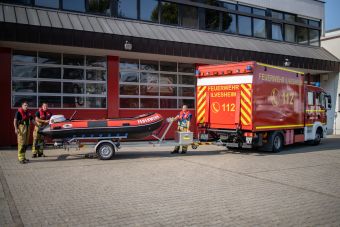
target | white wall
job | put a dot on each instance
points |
(337, 109)
(330, 82)
(331, 42)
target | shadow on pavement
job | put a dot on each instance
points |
(327, 144)
(125, 155)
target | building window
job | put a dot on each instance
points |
(48, 3)
(289, 17)
(169, 13)
(25, 2)
(260, 12)
(314, 23)
(189, 16)
(259, 28)
(186, 68)
(49, 58)
(314, 37)
(228, 5)
(212, 19)
(149, 10)
(302, 35)
(209, 2)
(277, 32)
(198, 17)
(63, 80)
(74, 5)
(289, 33)
(154, 84)
(302, 20)
(244, 25)
(127, 9)
(25, 57)
(229, 23)
(245, 9)
(100, 7)
(277, 15)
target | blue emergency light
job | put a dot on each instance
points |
(197, 72)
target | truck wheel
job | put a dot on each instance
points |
(277, 142)
(318, 136)
(105, 151)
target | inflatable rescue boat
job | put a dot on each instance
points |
(131, 128)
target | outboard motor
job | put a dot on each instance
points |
(54, 119)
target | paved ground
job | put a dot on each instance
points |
(149, 187)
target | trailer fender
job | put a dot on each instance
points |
(310, 131)
(105, 141)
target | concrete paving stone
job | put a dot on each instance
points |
(149, 187)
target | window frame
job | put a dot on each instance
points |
(265, 28)
(159, 97)
(309, 37)
(251, 26)
(220, 7)
(181, 9)
(61, 81)
(139, 10)
(296, 36)
(282, 32)
(160, 2)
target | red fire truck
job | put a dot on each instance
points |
(255, 105)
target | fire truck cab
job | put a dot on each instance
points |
(255, 105)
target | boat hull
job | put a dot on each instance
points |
(104, 128)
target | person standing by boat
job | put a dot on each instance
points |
(183, 118)
(42, 117)
(22, 120)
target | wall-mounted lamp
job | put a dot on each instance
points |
(128, 45)
(287, 63)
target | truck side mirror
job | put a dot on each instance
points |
(328, 102)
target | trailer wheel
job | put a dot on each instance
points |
(277, 142)
(105, 151)
(194, 146)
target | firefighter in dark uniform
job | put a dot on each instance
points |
(183, 118)
(22, 120)
(42, 117)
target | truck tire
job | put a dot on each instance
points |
(277, 142)
(105, 151)
(318, 136)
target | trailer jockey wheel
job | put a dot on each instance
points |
(105, 151)
(277, 142)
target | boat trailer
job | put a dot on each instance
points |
(105, 146)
